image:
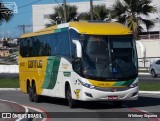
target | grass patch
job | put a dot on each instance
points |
(9, 83)
(143, 86)
(149, 86)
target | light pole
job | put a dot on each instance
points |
(159, 19)
(158, 22)
(64, 10)
(91, 9)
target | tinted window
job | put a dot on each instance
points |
(158, 62)
(46, 45)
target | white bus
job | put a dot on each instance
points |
(87, 61)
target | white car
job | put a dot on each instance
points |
(154, 68)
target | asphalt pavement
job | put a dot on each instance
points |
(148, 78)
(93, 110)
(146, 103)
(9, 75)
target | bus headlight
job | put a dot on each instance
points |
(133, 85)
(86, 84)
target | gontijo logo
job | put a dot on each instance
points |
(10, 5)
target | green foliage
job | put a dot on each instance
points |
(149, 86)
(100, 12)
(58, 16)
(130, 13)
(4, 15)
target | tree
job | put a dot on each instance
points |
(100, 12)
(5, 13)
(58, 16)
(132, 13)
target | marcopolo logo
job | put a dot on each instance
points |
(8, 7)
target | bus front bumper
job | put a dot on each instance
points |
(97, 95)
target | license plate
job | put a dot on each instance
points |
(112, 97)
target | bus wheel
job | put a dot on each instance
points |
(30, 92)
(36, 97)
(118, 103)
(71, 102)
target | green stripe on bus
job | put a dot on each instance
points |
(119, 83)
(124, 83)
(61, 30)
(129, 82)
(51, 72)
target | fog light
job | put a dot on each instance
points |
(88, 94)
(134, 94)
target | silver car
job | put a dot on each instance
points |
(154, 68)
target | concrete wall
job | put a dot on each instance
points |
(39, 12)
(152, 52)
(9, 69)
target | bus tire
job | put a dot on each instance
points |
(118, 104)
(36, 97)
(28, 87)
(71, 102)
(30, 93)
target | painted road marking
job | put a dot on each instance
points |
(29, 107)
(26, 109)
(142, 111)
(40, 111)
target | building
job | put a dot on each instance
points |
(40, 15)
(4, 52)
(152, 52)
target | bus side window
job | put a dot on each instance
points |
(21, 47)
(34, 46)
(63, 44)
(25, 47)
(29, 47)
(55, 45)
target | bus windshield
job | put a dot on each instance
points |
(109, 57)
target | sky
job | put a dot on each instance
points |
(23, 16)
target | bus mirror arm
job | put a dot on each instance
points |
(78, 48)
(76, 60)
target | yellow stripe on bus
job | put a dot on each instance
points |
(101, 84)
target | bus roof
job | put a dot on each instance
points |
(85, 27)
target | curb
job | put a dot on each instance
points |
(144, 73)
(9, 89)
(16, 107)
(150, 92)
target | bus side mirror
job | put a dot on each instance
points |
(78, 48)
